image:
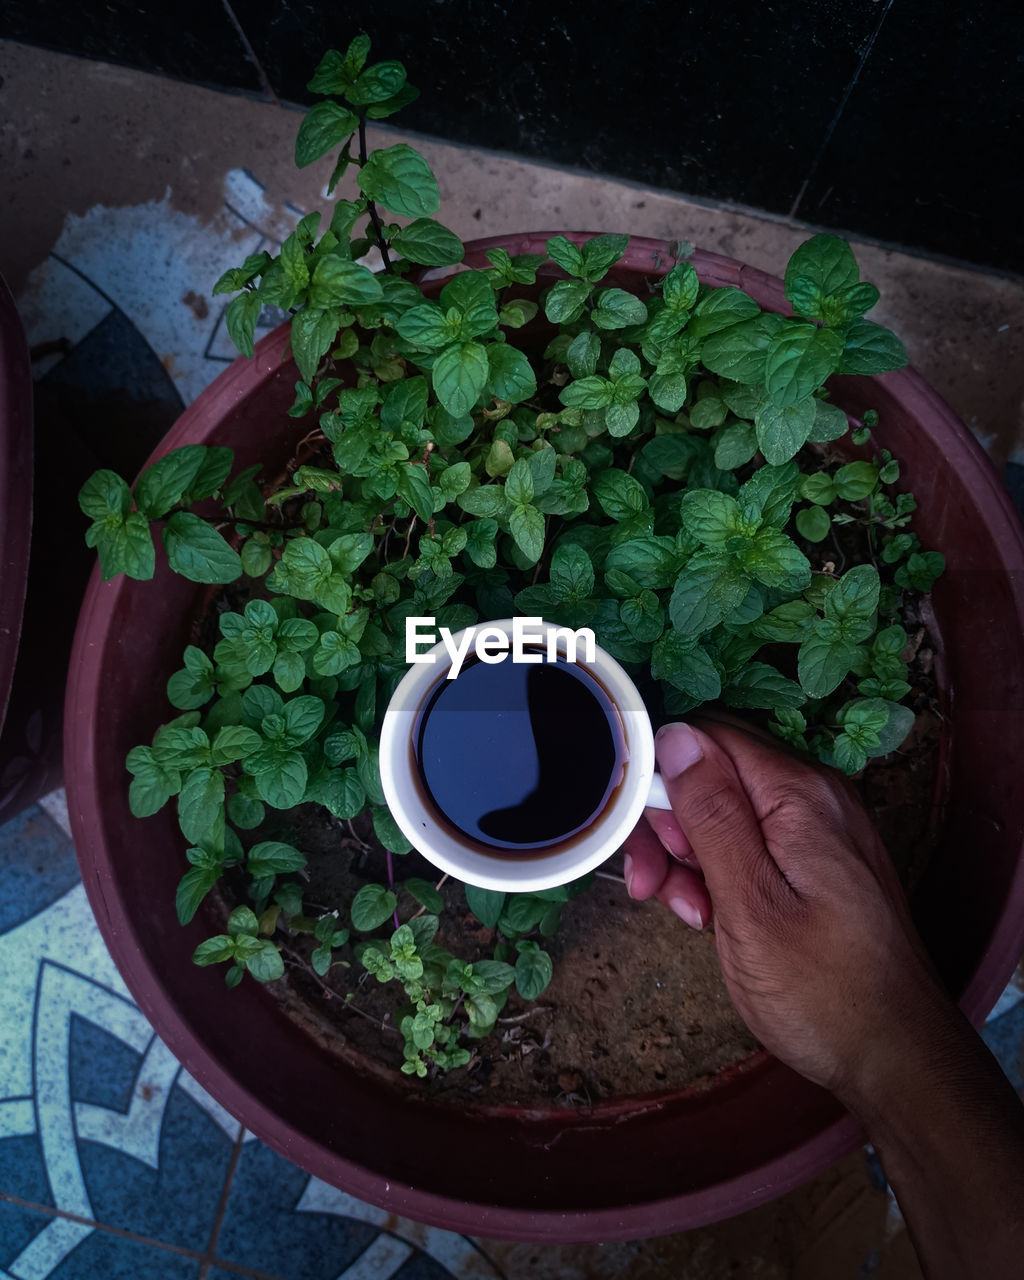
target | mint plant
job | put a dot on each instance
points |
(529, 437)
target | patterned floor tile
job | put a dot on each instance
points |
(262, 1230)
(283, 1222)
(37, 866)
(65, 1250)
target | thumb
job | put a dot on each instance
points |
(712, 807)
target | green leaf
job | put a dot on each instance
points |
(425, 894)
(823, 663)
(339, 283)
(233, 742)
(799, 361)
(193, 887)
(712, 517)
(265, 964)
(668, 391)
(303, 716)
(830, 423)
(893, 733)
(240, 317)
(153, 782)
(519, 483)
(485, 904)
(856, 480)
(921, 570)
(740, 352)
(105, 496)
(720, 309)
(400, 179)
(600, 253)
(783, 430)
(201, 803)
(869, 348)
(826, 263)
(371, 906)
(313, 331)
(760, 685)
(198, 552)
(271, 857)
(377, 83)
(236, 278)
(572, 574)
(582, 354)
(813, 523)
(620, 495)
(413, 484)
(566, 255)
(566, 300)
(245, 812)
(527, 528)
(214, 950)
(592, 392)
(426, 242)
(533, 970)
(684, 664)
(855, 595)
(735, 446)
(161, 485)
(617, 309)
(459, 376)
(387, 831)
(708, 590)
(510, 375)
(324, 126)
(282, 784)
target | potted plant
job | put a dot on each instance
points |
(600, 431)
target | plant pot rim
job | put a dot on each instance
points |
(117, 916)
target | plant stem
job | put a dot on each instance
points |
(371, 208)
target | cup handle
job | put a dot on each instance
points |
(657, 797)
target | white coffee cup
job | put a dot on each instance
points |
(530, 870)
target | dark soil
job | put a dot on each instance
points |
(637, 1004)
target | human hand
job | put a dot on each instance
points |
(814, 938)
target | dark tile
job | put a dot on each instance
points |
(422, 1267)
(37, 866)
(177, 1202)
(1005, 1037)
(117, 392)
(717, 100)
(924, 152)
(102, 1068)
(22, 1169)
(102, 1256)
(262, 1230)
(193, 39)
(18, 1225)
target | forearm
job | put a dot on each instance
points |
(950, 1133)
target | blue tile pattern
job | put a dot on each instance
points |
(114, 1163)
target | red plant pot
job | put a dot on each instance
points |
(631, 1167)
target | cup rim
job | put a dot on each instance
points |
(514, 873)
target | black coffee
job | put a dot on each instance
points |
(519, 756)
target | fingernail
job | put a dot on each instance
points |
(677, 748)
(627, 873)
(687, 912)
